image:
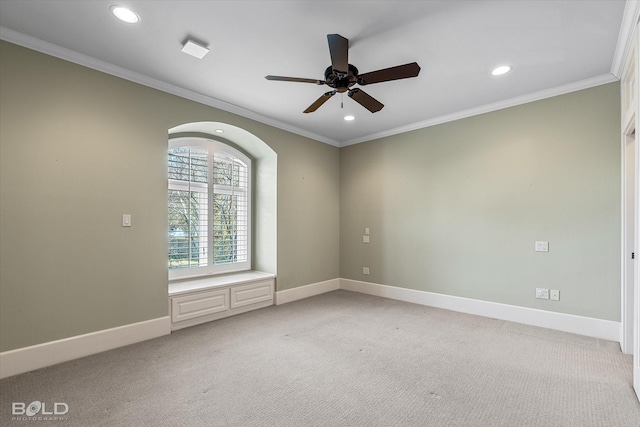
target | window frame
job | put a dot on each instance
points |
(214, 148)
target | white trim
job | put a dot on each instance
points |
(507, 103)
(216, 151)
(27, 359)
(294, 294)
(625, 36)
(48, 48)
(194, 284)
(588, 326)
(105, 67)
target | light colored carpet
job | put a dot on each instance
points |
(343, 359)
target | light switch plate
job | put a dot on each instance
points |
(366, 231)
(365, 239)
(555, 294)
(126, 220)
(542, 246)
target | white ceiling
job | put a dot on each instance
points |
(553, 46)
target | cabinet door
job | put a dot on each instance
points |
(252, 293)
(199, 304)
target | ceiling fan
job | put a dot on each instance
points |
(341, 76)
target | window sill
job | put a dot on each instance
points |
(185, 286)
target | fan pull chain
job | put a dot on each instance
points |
(342, 100)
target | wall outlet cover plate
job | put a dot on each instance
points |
(542, 293)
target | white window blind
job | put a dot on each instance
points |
(209, 208)
(230, 199)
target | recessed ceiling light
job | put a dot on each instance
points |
(194, 49)
(503, 69)
(219, 131)
(124, 14)
(349, 118)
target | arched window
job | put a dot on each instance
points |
(209, 208)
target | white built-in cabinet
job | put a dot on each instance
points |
(192, 302)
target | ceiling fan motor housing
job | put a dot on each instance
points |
(339, 80)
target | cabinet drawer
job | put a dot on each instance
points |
(200, 304)
(252, 293)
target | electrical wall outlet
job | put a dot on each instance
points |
(542, 293)
(365, 239)
(555, 294)
(365, 270)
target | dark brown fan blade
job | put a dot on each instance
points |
(339, 50)
(324, 98)
(294, 79)
(366, 100)
(394, 73)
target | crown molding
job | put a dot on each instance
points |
(632, 10)
(51, 49)
(625, 37)
(512, 102)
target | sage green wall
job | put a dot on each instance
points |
(78, 148)
(456, 208)
(453, 209)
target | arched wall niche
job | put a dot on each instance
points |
(265, 174)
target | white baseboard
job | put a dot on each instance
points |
(588, 326)
(27, 359)
(307, 291)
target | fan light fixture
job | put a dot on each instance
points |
(503, 69)
(194, 49)
(349, 118)
(341, 76)
(125, 15)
